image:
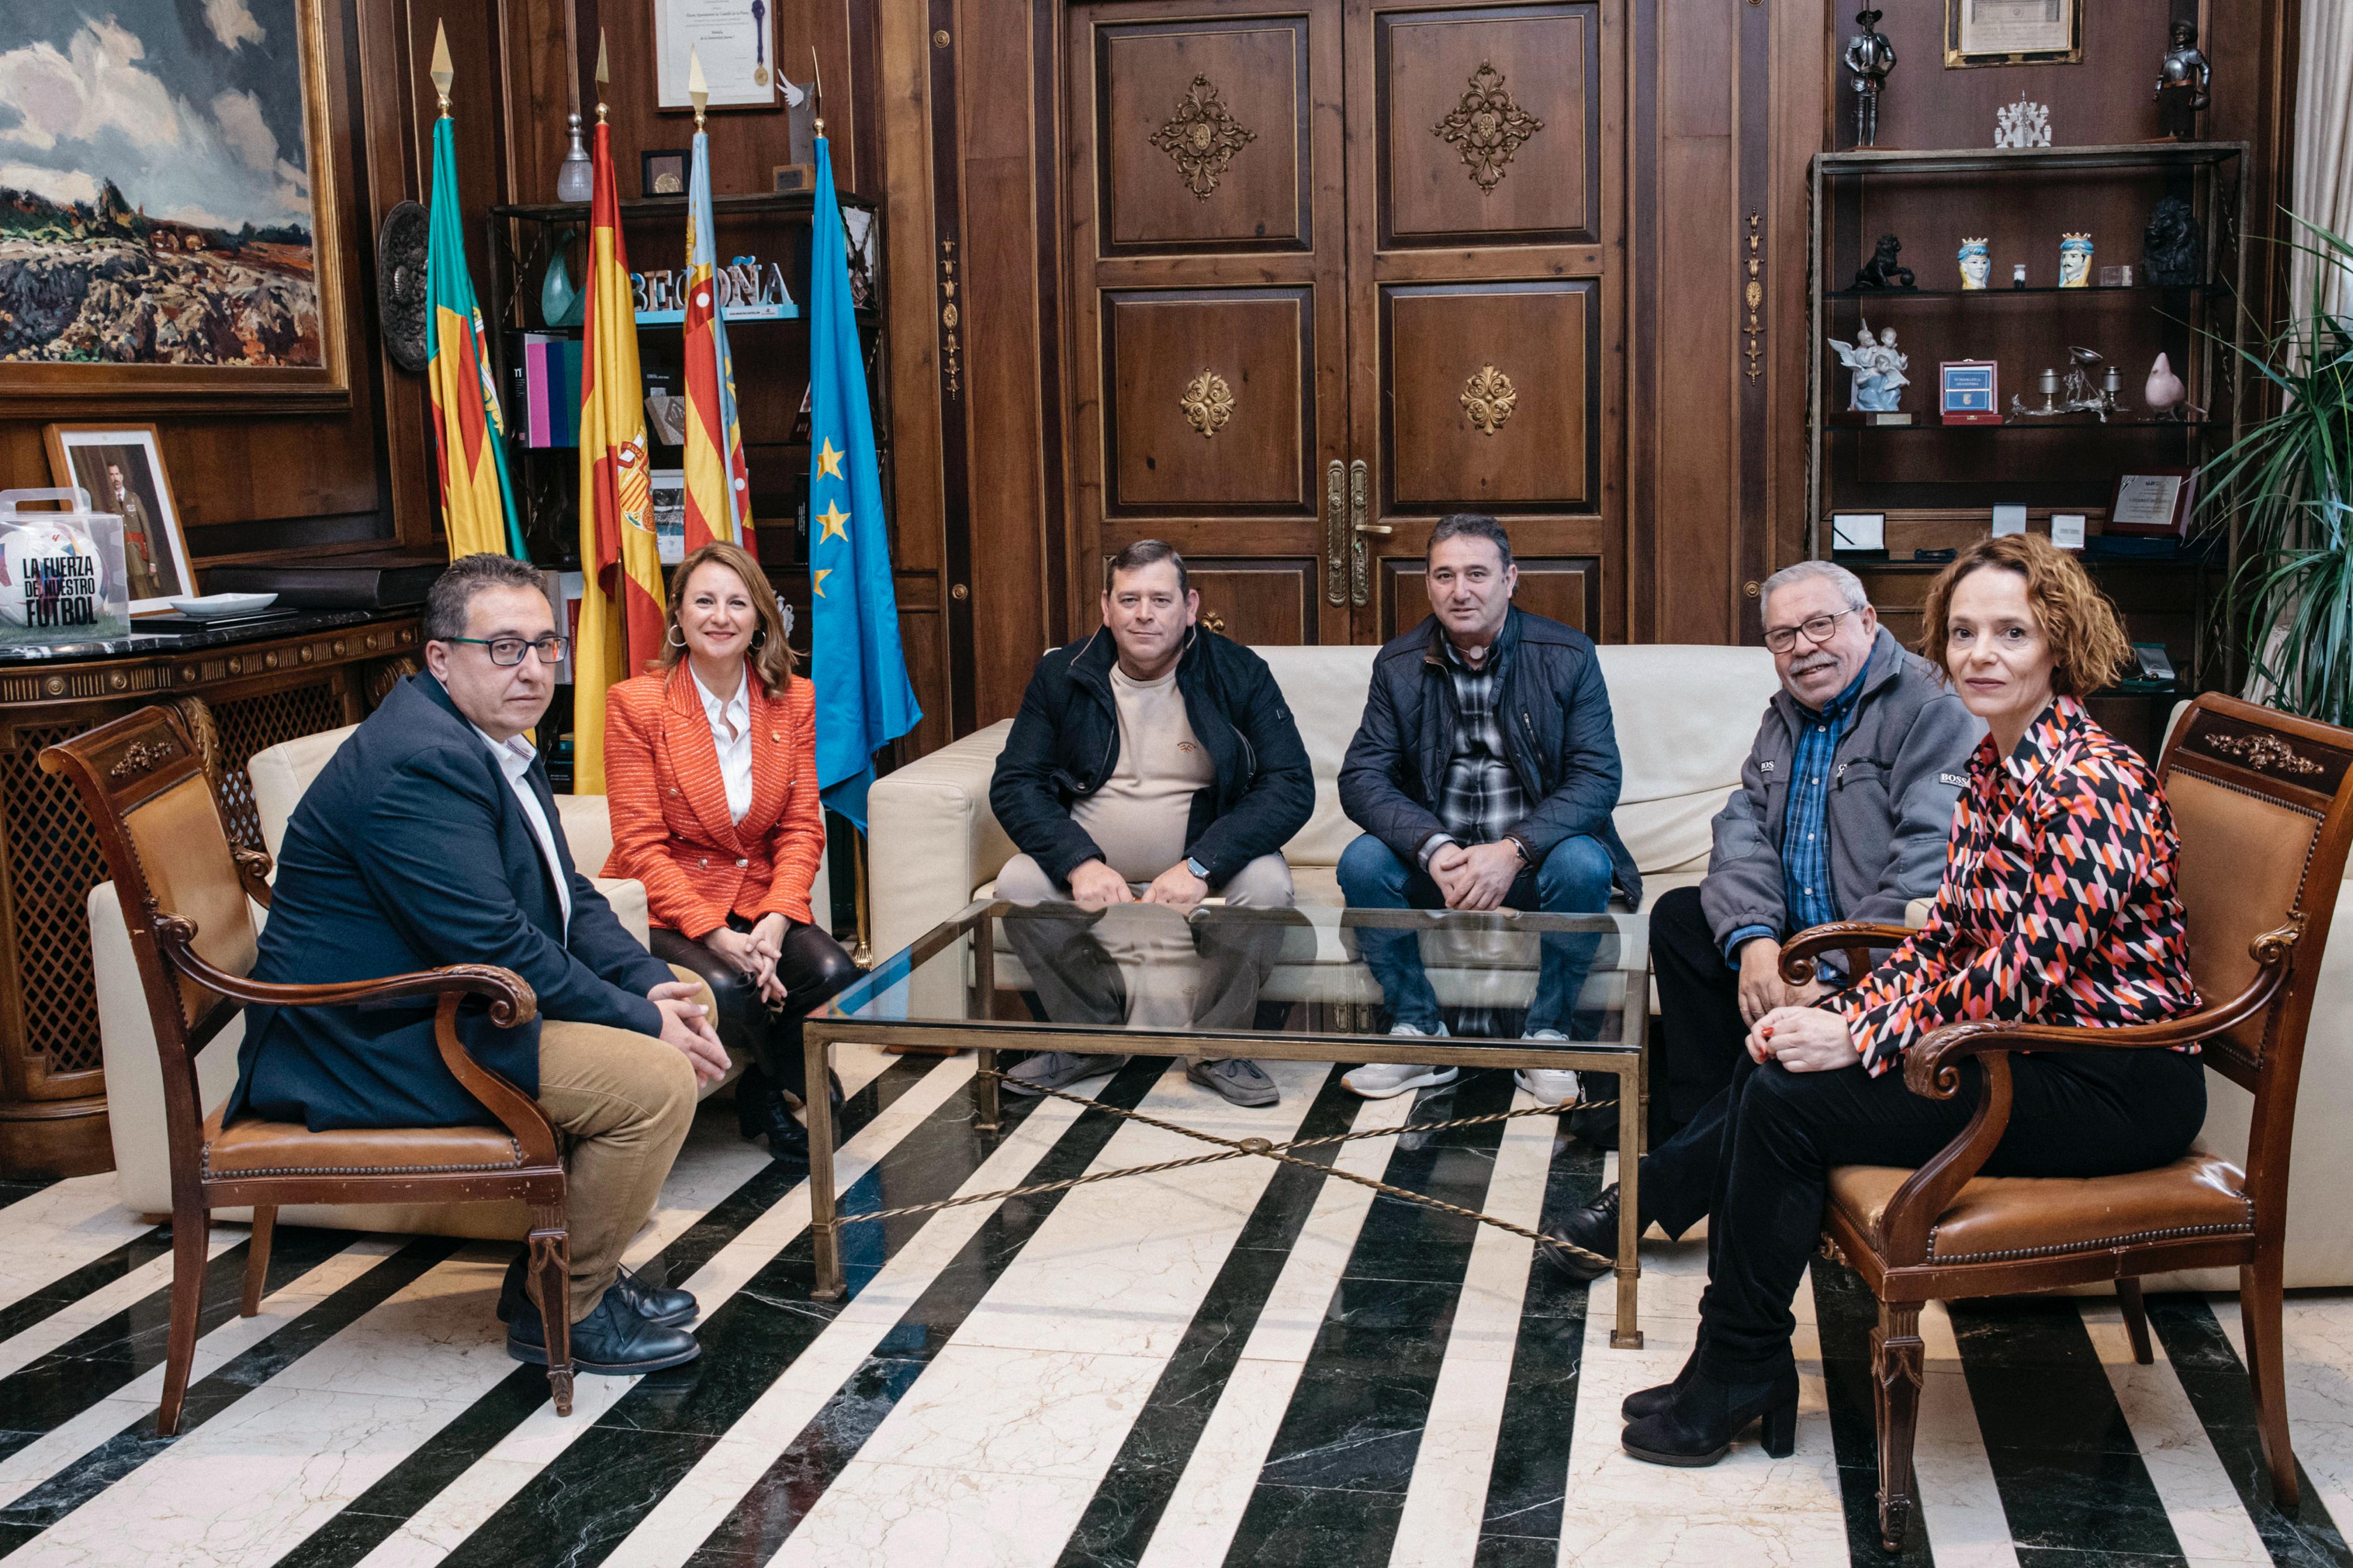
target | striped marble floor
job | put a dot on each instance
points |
(1239, 1363)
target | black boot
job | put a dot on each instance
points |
(1593, 1227)
(1645, 1402)
(1697, 1428)
(760, 1113)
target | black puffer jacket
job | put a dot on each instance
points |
(1557, 735)
(1065, 742)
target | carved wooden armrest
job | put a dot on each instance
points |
(1798, 953)
(253, 869)
(513, 1004)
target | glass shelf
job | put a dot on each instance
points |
(787, 204)
(2026, 160)
(2057, 422)
(1879, 295)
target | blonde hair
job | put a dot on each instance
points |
(2088, 646)
(772, 660)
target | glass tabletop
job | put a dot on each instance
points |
(1315, 970)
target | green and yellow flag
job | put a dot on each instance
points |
(468, 433)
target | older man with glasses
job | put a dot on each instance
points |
(1842, 813)
(432, 838)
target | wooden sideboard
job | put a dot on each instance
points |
(239, 691)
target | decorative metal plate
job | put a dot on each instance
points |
(400, 249)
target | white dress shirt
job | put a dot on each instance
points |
(730, 732)
(515, 757)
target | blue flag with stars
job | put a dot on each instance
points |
(863, 698)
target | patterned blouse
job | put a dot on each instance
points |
(2059, 901)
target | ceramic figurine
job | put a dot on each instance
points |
(1883, 270)
(2023, 124)
(1870, 57)
(2182, 81)
(2074, 261)
(1977, 264)
(2163, 391)
(1879, 367)
(2171, 247)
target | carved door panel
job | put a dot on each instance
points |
(1207, 259)
(1483, 289)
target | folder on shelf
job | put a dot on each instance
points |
(552, 389)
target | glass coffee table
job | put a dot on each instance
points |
(1270, 985)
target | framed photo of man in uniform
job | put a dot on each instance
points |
(123, 469)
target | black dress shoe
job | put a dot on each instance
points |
(656, 1303)
(1593, 1227)
(612, 1341)
(1697, 1426)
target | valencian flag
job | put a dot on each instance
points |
(718, 485)
(863, 698)
(469, 435)
(621, 596)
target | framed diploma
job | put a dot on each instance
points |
(2013, 33)
(737, 41)
(2153, 504)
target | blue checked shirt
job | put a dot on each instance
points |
(1806, 887)
(1481, 798)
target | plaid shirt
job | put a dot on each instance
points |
(2059, 902)
(1481, 799)
(1806, 886)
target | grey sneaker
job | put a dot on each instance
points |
(1240, 1080)
(1059, 1070)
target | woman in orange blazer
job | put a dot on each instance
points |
(711, 778)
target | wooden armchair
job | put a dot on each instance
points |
(2263, 804)
(183, 888)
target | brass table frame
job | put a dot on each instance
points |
(827, 1027)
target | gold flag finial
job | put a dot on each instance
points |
(604, 73)
(697, 89)
(442, 75)
(816, 91)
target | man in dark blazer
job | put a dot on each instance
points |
(432, 838)
(1484, 775)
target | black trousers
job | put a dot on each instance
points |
(812, 967)
(1701, 1041)
(2097, 1114)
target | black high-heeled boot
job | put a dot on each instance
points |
(1645, 1402)
(760, 1113)
(1697, 1426)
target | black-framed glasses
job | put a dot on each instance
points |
(507, 652)
(1816, 630)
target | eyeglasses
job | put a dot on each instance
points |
(1781, 639)
(507, 652)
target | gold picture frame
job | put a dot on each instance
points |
(1993, 32)
(319, 378)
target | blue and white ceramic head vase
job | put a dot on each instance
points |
(1977, 264)
(2074, 261)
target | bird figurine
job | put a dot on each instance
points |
(2163, 391)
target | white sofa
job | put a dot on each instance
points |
(135, 1089)
(1685, 717)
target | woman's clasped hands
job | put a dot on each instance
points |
(753, 952)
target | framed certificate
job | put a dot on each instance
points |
(1968, 391)
(737, 42)
(2013, 33)
(2153, 504)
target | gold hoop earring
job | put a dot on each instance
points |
(676, 636)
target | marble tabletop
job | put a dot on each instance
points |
(252, 628)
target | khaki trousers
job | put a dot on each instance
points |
(624, 1102)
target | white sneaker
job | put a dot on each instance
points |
(1381, 1080)
(1547, 1086)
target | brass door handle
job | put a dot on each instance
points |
(1360, 565)
(1335, 535)
(1380, 527)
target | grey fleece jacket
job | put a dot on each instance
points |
(1898, 771)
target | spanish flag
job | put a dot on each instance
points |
(718, 485)
(469, 435)
(622, 599)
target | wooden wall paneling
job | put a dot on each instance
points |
(1567, 588)
(1259, 600)
(1068, 587)
(1001, 351)
(1803, 94)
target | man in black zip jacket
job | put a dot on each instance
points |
(1484, 775)
(1152, 764)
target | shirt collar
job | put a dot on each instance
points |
(515, 755)
(2044, 738)
(738, 707)
(1837, 707)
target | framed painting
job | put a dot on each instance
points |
(123, 469)
(2013, 33)
(168, 197)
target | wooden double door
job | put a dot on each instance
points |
(1339, 267)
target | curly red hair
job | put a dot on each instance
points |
(2088, 646)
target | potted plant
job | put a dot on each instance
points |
(2289, 482)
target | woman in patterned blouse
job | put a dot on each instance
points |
(2059, 904)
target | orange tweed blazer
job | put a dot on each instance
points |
(668, 800)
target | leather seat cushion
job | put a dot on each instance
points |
(1996, 1218)
(255, 1148)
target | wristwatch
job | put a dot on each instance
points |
(1198, 870)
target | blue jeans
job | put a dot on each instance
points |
(1575, 878)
